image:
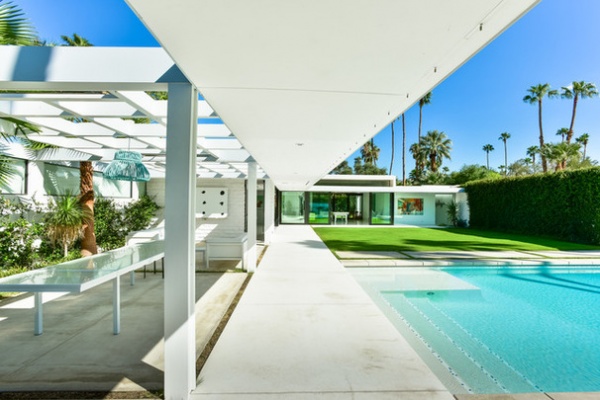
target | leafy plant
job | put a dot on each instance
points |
(139, 214)
(452, 212)
(109, 224)
(65, 221)
(17, 240)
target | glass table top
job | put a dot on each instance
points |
(72, 275)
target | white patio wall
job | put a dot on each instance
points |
(232, 225)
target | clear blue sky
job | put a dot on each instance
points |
(556, 43)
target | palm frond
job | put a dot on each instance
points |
(15, 29)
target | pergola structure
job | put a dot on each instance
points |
(97, 123)
(300, 84)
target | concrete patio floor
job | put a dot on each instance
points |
(305, 329)
(78, 351)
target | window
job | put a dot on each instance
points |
(292, 207)
(318, 208)
(381, 205)
(59, 179)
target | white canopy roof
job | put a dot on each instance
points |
(303, 84)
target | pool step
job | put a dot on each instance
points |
(465, 356)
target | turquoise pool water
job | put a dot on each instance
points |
(516, 330)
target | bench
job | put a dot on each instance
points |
(82, 274)
(226, 248)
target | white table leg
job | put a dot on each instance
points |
(132, 277)
(117, 305)
(206, 254)
(38, 325)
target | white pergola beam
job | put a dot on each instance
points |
(86, 68)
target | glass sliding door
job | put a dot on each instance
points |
(292, 207)
(318, 208)
(381, 206)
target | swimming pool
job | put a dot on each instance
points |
(497, 329)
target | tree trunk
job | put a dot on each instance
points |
(570, 133)
(403, 152)
(544, 161)
(393, 148)
(432, 161)
(420, 122)
(65, 249)
(86, 187)
(487, 159)
(505, 159)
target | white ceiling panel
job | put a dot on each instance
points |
(303, 84)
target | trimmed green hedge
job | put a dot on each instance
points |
(564, 205)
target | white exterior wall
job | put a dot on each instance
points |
(428, 217)
(441, 209)
(462, 201)
(35, 182)
(232, 225)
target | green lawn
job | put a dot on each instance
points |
(431, 239)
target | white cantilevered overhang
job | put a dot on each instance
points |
(303, 84)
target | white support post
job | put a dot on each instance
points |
(251, 203)
(180, 195)
(269, 210)
(38, 328)
(117, 305)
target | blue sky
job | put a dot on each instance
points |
(556, 43)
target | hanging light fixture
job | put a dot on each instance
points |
(127, 166)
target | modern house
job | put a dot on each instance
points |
(370, 200)
(299, 86)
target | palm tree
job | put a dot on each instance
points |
(65, 221)
(561, 153)
(518, 168)
(583, 140)
(393, 147)
(531, 152)
(370, 153)
(562, 132)
(437, 146)
(504, 136)
(15, 29)
(403, 151)
(536, 95)
(75, 41)
(418, 155)
(424, 101)
(487, 148)
(86, 176)
(577, 90)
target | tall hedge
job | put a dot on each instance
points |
(565, 205)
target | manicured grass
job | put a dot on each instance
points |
(431, 239)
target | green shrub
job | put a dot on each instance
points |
(17, 240)
(564, 205)
(112, 224)
(139, 214)
(108, 224)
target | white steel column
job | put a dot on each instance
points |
(180, 197)
(251, 203)
(269, 210)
